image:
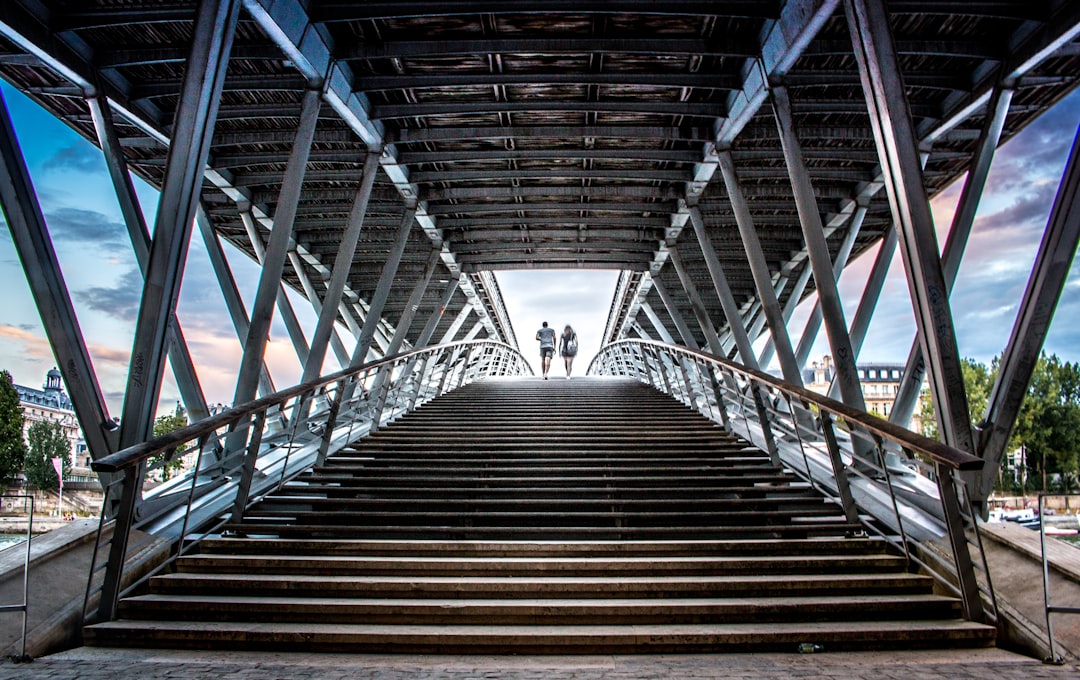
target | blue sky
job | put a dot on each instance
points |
(93, 248)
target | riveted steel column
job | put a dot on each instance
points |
(437, 313)
(711, 339)
(654, 319)
(312, 295)
(187, 381)
(233, 302)
(871, 292)
(342, 266)
(1048, 277)
(277, 249)
(959, 231)
(676, 318)
(281, 299)
(30, 235)
(382, 289)
(760, 270)
(813, 324)
(898, 151)
(818, 250)
(456, 324)
(789, 308)
(193, 127)
(723, 291)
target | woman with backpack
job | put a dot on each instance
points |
(568, 345)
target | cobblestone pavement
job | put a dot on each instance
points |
(97, 664)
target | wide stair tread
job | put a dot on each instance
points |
(488, 521)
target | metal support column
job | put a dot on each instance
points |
(817, 249)
(233, 302)
(193, 127)
(382, 289)
(899, 156)
(696, 303)
(342, 267)
(456, 324)
(673, 312)
(187, 381)
(959, 231)
(813, 324)
(760, 270)
(312, 295)
(281, 299)
(654, 319)
(30, 235)
(437, 313)
(793, 300)
(1048, 277)
(723, 291)
(277, 249)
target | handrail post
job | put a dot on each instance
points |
(763, 422)
(331, 423)
(114, 568)
(954, 522)
(247, 472)
(843, 485)
(721, 403)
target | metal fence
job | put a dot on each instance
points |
(900, 486)
(237, 456)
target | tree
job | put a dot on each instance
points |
(1049, 420)
(978, 381)
(163, 425)
(12, 445)
(47, 441)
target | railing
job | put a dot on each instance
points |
(21, 607)
(900, 486)
(1048, 607)
(245, 452)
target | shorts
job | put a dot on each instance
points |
(547, 352)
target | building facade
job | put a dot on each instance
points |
(52, 404)
(880, 384)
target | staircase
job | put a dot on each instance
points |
(530, 516)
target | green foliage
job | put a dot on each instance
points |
(163, 426)
(12, 445)
(978, 381)
(47, 441)
(1049, 421)
(1046, 427)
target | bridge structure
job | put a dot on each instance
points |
(385, 159)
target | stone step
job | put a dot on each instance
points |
(446, 612)
(354, 487)
(311, 502)
(594, 639)
(398, 531)
(534, 549)
(545, 587)
(341, 565)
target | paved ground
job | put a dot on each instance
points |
(96, 664)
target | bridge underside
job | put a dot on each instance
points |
(385, 158)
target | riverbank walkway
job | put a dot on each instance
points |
(108, 664)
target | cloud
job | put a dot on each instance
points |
(32, 345)
(78, 156)
(120, 301)
(85, 226)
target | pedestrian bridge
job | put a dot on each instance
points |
(384, 159)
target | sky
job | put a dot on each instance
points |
(92, 246)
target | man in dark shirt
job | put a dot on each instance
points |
(546, 336)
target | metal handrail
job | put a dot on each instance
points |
(898, 485)
(24, 605)
(247, 451)
(1049, 608)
